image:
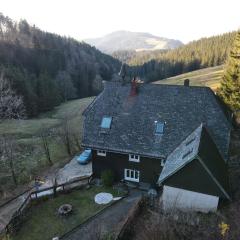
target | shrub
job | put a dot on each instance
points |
(107, 177)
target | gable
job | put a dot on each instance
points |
(194, 177)
(182, 155)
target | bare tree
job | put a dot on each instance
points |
(11, 105)
(65, 135)
(46, 147)
(8, 147)
(70, 135)
(77, 140)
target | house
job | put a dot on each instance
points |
(171, 136)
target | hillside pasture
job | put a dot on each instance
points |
(29, 155)
(209, 77)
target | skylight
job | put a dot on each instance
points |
(106, 122)
(159, 128)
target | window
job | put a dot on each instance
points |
(134, 158)
(131, 175)
(106, 122)
(101, 153)
(159, 127)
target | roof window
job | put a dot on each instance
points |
(106, 122)
(159, 127)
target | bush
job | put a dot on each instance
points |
(107, 177)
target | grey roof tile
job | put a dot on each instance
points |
(132, 129)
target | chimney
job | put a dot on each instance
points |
(134, 89)
(186, 82)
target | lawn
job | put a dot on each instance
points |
(43, 222)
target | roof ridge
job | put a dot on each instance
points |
(178, 85)
(106, 83)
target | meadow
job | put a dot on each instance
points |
(209, 77)
(29, 156)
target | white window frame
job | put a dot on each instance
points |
(134, 158)
(102, 153)
(128, 176)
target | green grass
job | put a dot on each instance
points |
(31, 127)
(43, 222)
(209, 77)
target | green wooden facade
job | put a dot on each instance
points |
(149, 168)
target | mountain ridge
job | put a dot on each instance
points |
(127, 40)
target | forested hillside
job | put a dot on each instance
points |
(156, 65)
(47, 69)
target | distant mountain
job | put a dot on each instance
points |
(134, 41)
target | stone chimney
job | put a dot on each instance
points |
(186, 82)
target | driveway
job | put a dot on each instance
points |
(107, 221)
(73, 170)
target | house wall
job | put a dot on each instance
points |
(193, 177)
(208, 150)
(176, 198)
(149, 168)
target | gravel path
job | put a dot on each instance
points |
(107, 221)
(8, 210)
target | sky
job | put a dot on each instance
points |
(185, 20)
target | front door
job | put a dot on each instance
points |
(131, 175)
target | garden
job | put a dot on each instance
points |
(43, 221)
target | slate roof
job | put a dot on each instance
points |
(181, 108)
(196, 146)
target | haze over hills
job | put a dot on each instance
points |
(134, 41)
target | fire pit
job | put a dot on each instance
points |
(65, 209)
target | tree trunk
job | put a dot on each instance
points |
(46, 148)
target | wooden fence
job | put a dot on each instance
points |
(14, 198)
(19, 215)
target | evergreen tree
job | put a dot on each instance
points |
(46, 69)
(230, 85)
